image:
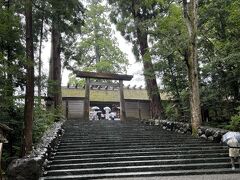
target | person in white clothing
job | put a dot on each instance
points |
(94, 117)
(112, 115)
(233, 151)
(107, 113)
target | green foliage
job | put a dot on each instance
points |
(69, 14)
(98, 49)
(132, 17)
(169, 43)
(235, 121)
(171, 112)
(13, 119)
(73, 81)
(11, 53)
(43, 119)
(11, 71)
(219, 55)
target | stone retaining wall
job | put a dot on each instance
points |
(32, 166)
(209, 133)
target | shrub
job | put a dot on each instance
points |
(43, 119)
(171, 112)
(235, 122)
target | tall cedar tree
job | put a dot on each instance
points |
(168, 45)
(137, 13)
(98, 49)
(66, 18)
(190, 15)
(56, 62)
(29, 97)
(41, 37)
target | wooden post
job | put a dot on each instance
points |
(139, 111)
(122, 102)
(1, 145)
(67, 109)
(86, 101)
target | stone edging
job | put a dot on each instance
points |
(32, 166)
(205, 132)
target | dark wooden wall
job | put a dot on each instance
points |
(137, 109)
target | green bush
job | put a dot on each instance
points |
(171, 111)
(43, 119)
(235, 122)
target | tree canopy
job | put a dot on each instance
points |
(97, 49)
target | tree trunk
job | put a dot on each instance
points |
(56, 64)
(157, 111)
(29, 97)
(50, 75)
(150, 78)
(190, 15)
(40, 62)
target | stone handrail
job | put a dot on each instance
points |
(32, 166)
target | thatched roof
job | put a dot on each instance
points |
(108, 95)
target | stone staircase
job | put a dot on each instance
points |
(114, 149)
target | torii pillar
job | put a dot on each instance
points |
(122, 102)
(86, 100)
(108, 76)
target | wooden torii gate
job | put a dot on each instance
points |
(108, 76)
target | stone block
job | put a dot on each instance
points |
(217, 136)
(200, 132)
(210, 138)
(203, 136)
(24, 169)
(156, 122)
(208, 132)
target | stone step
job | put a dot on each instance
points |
(138, 146)
(115, 133)
(76, 151)
(129, 140)
(104, 149)
(58, 156)
(141, 174)
(116, 143)
(162, 139)
(142, 168)
(135, 162)
(132, 148)
(132, 158)
(127, 145)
